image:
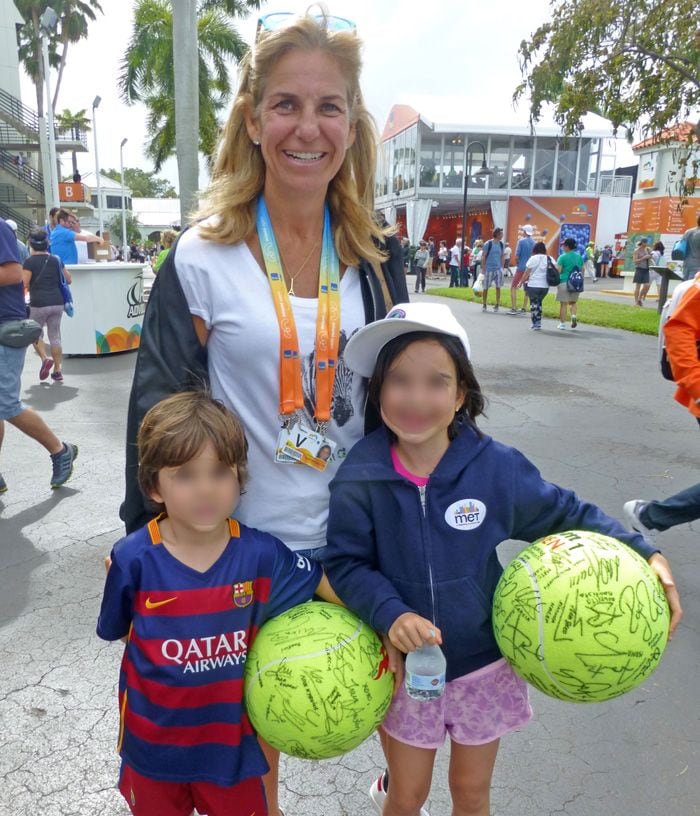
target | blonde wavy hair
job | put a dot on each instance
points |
(238, 177)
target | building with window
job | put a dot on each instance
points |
(562, 186)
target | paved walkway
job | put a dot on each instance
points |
(589, 407)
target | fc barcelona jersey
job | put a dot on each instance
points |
(182, 716)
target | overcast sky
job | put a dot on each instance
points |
(466, 49)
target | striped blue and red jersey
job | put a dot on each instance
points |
(181, 704)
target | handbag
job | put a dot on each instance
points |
(19, 333)
(553, 277)
(68, 307)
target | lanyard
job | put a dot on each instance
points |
(327, 321)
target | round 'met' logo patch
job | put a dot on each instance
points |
(465, 514)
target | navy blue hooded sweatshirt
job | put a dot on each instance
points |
(395, 548)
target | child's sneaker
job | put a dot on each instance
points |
(495, 308)
(3, 485)
(483, 308)
(377, 793)
(574, 322)
(562, 326)
(632, 510)
(63, 464)
(512, 311)
(57, 376)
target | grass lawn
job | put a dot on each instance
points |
(595, 312)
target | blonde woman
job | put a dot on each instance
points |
(167, 239)
(287, 230)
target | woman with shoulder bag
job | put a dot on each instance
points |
(536, 282)
(42, 277)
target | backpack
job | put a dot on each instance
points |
(575, 281)
(680, 250)
(488, 244)
(666, 313)
(553, 277)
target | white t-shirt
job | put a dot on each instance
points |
(537, 266)
(455, 252)
(226, 288)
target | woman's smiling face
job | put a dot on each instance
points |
(303, 123)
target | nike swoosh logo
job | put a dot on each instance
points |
(155, 604)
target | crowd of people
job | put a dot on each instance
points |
(281, 315)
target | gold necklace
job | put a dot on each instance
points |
(293, 277)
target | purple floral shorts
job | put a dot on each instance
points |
(475, 709)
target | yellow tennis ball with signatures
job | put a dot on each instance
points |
(581, 616)
(317, 681)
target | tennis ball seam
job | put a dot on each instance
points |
(345, 642)
(540, 627)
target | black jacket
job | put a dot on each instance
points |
(171, 359)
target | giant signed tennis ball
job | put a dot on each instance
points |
(317, 681)
(581, 616)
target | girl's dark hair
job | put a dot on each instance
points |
(539, 248)
(659, 247)
(570, 243)
(474, 401)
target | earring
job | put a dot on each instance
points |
(256, 142)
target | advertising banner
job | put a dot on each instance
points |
(553, 220)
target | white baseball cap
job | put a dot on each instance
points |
(527, 229)
(11, 224)
(363, 347)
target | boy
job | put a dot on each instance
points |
(188, 592)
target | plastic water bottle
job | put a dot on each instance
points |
(425, 673)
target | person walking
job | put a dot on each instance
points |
(287, 239)
(42, 274)
(534, 280)
(566, 263)
(691, 261)
(589, 262)
(523, 251)
(642, 280)
(443, 257)
(455, 261)
(682, 341)
(12, 308)
(492, 265)
(605, 260)
(421, 262)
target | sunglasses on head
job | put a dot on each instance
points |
(282, 19)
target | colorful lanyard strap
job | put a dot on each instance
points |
(327, 322)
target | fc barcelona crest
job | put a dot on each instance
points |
(242, 593)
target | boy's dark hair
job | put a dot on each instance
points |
(496, 232)
(176, 429)
(474, 401)
(539, 248)
(570, 243)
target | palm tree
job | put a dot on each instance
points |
(147, 69)
(73, 26)
(66, 120)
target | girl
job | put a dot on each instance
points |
(416, 513)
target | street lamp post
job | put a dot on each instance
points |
(121, 169)
(482, 171)
(95, 104)
(48, 22)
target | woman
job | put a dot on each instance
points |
(657, 259)
(535, 282)
(167, 239)
(42, 277)
(642, 281)
(421, 262)
(443, 255)
(605, 259)
(296, 165)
